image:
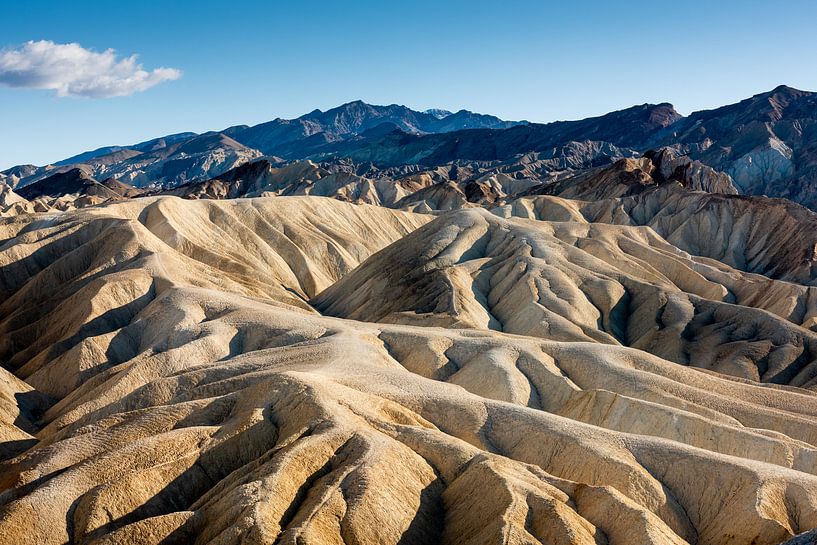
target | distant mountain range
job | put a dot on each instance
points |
(766, 143)
(179, 158)
(295, 138)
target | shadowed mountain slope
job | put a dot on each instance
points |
(628, 128)
(767, 143)
(283, 136)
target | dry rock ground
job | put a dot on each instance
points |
(628, 369)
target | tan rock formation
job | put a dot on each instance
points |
(180, 389)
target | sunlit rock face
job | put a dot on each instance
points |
(306, 370)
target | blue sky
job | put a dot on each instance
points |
(248, 62)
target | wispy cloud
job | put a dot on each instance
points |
(72, 70)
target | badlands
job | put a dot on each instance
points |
(624, 359)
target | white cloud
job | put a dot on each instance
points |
(72, 70)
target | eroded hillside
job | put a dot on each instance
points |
(305, 370)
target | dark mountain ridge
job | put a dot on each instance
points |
(276, 136)
(77, 181)
(766, 143)
(628, 128)
(309, 134)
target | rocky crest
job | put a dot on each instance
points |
(767, 144)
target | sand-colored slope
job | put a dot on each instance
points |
(20, 407)
(239, 422)
(68, 282)
(192, 402)
(773, 237)
(574, 281)
(11, 203)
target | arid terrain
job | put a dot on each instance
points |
(606, 340)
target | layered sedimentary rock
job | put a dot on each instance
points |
(417, 328)
(765, 142)
(772, 237)
(175, 381)
(11, 203)
(580, 282)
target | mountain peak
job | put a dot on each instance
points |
(781, 92)
(439, 113)
(785, 89)
(353, 105)
(663, 114)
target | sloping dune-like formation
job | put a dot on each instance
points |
(772, 237)
(575, 281)
(305, 370)
(11, 203)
